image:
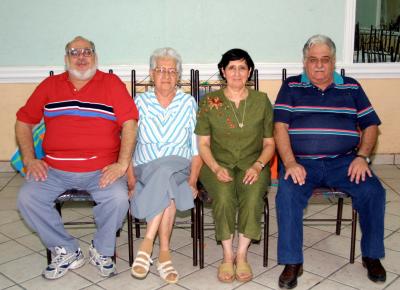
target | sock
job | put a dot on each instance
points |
(164, 256)
(147, 246)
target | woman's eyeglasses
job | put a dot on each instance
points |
(166, 71)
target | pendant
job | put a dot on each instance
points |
(241, 125)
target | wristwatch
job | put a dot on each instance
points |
(261, 164)
(366, 158)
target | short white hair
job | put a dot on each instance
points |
(319, 39)
(166, 52)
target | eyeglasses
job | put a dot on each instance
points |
(166, 71)
(76, 52)
(323, 60)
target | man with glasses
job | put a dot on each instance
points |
(325, 130)
(90, 122)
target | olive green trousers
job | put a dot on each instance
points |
(233, 198)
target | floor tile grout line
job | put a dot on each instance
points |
(388, 185)
(365, 277)
(337, 270)
(9, 181)
(338, 282)
(33, 251)
(392, 282)
(9, 278)
(334, 234)
(21, 282)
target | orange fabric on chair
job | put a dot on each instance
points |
(274, 167)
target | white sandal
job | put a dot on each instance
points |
(144, 261)
(166, 268)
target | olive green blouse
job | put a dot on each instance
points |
(231, 145)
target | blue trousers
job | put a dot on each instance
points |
(36, 204)
(368, 199)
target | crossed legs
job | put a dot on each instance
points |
(162, 224)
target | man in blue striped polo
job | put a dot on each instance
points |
(325, 130)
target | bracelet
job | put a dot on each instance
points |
(262, 164)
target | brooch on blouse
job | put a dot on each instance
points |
(214, 102)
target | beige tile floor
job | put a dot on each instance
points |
(22, 255)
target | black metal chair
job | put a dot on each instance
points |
(139, 87)
(74, 195)
(334, 193)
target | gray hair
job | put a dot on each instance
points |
(166, 52)
(68, 45)
(319, 39)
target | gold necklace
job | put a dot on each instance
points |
(240, 124)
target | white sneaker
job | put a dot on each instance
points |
(62, 262)
(105, 264)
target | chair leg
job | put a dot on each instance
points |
(194, 232)
(114, 257)
(130, 238)
(201, 232)
(192, 218)
(58, 206)
(266, 232)
(339, 216)
(48, 254)
(353, 236)
(137, 228)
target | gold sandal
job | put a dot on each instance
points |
(243, 267)
(226, 272)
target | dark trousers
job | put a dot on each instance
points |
(368, 199)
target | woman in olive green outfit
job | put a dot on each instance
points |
(234, 128)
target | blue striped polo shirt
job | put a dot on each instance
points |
(323, 124)
(165, 131)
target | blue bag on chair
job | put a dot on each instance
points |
(38, 135)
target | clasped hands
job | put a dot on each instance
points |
(251, 175)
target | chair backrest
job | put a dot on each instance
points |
(284, 73)
(207, 86)
(143, 85)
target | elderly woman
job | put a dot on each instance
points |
(234, 127)
(166, 161)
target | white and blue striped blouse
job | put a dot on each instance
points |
(165, 131)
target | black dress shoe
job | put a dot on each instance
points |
(376, 272)
(288, 278)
